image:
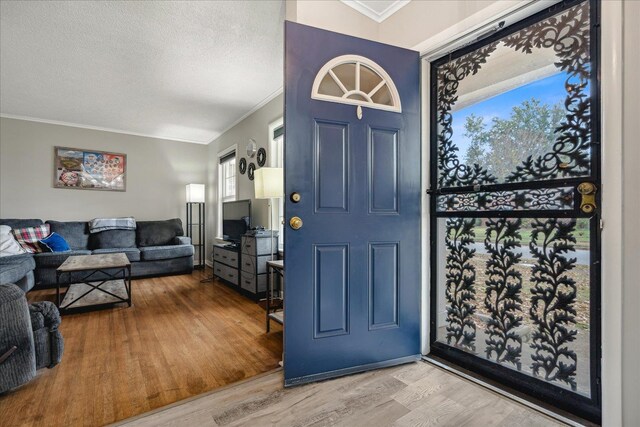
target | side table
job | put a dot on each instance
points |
(275, 294)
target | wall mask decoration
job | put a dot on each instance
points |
(261, 157)
(250, 171)
(89, 170)
(242, 166)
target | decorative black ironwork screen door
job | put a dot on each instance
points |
(515, 207)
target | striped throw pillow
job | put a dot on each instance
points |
(28, 237)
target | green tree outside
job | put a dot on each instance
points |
(504, 143)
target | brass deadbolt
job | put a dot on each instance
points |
(295, 197)
(588, 191)
(295, 223)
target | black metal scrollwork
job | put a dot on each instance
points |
(568, 35)
(553, 300)
(460, 292)
(503, 287)
(452, 171)
(560, 198)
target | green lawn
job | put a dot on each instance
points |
(581, 235)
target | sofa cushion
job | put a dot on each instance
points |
(181, 240)
(76, 233)
(150, 253)
(20, 223)
(158, 233)
(113, 239)
(15, 267)
(54, 259)
(132, 253)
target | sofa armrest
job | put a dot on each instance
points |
(44, 314)
(182, 240)
(47, 339)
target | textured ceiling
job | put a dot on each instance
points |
(177, 70)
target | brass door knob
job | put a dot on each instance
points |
(295, 223)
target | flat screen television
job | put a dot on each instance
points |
(236, 220)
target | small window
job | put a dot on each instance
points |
(226, 182)
(356, 80)
(276, 133)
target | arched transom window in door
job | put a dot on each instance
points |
(356, 80)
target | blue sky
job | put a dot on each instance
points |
(549, 90)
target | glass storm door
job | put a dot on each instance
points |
(352, 205)
(515, 202)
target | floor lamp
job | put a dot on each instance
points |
(195, 198)
(269, 185)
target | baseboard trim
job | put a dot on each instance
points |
(348, 371)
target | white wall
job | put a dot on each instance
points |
(420, 20)
(332, 15)
(631, 217)
(410, 26)
(157, 173)
(254, 126)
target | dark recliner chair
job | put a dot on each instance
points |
(29, 337)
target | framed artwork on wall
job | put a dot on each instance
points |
(89, 169)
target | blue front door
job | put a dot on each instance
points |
(352, 155)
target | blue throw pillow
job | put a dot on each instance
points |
(54, 243)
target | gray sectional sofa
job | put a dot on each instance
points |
(154, 248)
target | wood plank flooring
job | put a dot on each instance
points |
(418, 394)
(181, 338)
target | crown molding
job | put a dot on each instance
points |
(103, 129)
(125, 132)
(361, 7)
(258, 106)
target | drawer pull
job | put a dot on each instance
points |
(224, 256)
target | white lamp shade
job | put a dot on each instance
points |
(195, 193)
(269, 183)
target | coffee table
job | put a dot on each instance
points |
(85, 292)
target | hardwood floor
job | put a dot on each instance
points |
(181, 338)
(418, 394)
